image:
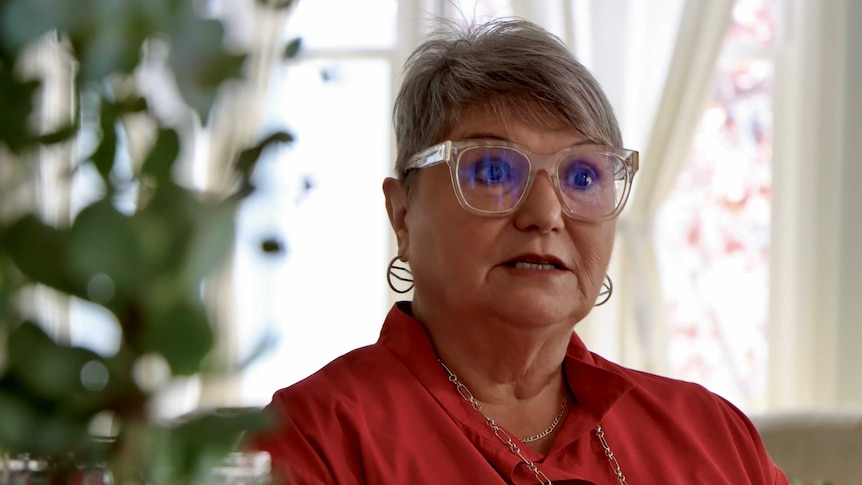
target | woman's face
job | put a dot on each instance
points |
(470, 266)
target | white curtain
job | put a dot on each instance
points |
(815, 308)
(690, 76)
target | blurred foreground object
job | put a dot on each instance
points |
(134, 97)
(243, 468)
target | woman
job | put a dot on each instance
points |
(510, 175)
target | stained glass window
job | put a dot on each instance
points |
(713, 231)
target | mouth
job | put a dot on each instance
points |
(536, 263)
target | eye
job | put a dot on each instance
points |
(488, 170)
(580, 175)
(493, 171)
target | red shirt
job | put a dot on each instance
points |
(387, 414)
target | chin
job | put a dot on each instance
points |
(541, 311)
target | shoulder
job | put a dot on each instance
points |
(685, 418)
(320, 421)
(668, 390)
(690, 402)
(346, 379)
(360, 380)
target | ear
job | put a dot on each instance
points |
(396, 207)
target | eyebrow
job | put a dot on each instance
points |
(481, 135)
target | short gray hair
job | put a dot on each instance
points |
(507, 66)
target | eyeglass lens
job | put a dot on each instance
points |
(494, 179)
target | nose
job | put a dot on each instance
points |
(542, 209)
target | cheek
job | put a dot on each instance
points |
(436, 221)
(595, 245)
(448, 237)
(605, 240)
(432, 222)
(450, 249)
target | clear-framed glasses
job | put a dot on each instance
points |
(493, 177)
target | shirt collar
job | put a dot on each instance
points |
(592, 380)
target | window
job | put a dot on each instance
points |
(319, 199)
(712, 234)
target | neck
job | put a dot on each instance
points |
(502, 363)
(521, 413)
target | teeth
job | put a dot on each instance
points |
(526, 265)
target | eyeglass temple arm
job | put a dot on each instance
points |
(635, 156)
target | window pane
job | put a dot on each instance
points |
(345, 24)
(478, 9)
(713, 240)
(753, 24)
(320, 198)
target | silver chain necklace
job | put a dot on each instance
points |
(552, 427)
(507, 440)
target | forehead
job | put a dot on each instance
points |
(550, 137)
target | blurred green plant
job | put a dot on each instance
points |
(144, 266)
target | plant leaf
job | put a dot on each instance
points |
(23, 21)
(182, 335)
(166, 225)
(17, 421)
(247, 160)
(161, 158)
(48, 370)
(103, 157)
(199, 60)
(104, 241)
(106, 34)
(17, 99)
(292, 49)
(39, 252)
(58, 136)
(211, 243)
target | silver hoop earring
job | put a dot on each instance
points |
(401, 273)
(607, 291)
